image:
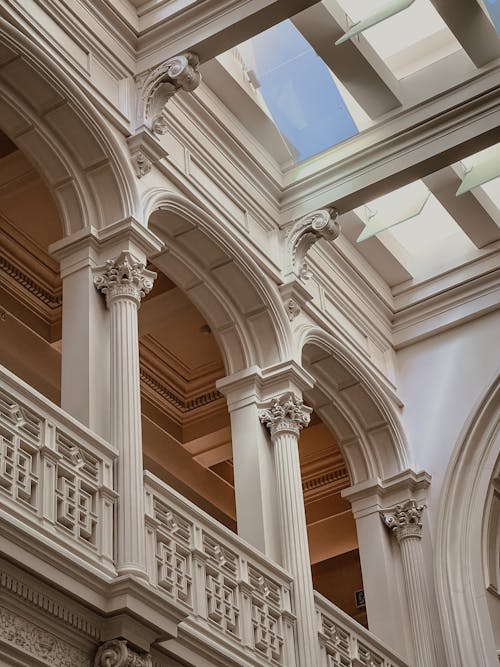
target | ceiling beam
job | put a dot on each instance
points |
(465, 209)
(472, 28)
(211, 28)
(392, 270)
(364, 75)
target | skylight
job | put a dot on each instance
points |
(492, 8)
(417, 229)
(304, 99)
(409, 40)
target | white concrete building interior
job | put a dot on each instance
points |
(249, 333)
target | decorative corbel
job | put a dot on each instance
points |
(160, 84)
(321, 224)
(117, 653)
(145, 151)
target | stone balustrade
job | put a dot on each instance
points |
(238, 601)
(345, 643)
(56, 477)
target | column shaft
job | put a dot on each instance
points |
(294, 543)
(126, 433)
(418, 604)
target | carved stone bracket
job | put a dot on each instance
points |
(116, 653)
(123, 277)
(404, 520)
(162, 82)
(145, 151)
(321, 224)
(286, 413)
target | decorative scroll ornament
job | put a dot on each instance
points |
(404, 520)
(286, 413)
(116, 653)
(123, 277)
(321, 224)
(292, 308)
(160, 84)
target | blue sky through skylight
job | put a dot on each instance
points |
(298, 90)
(493, 7)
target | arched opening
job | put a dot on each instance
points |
(209, 315)
(30, 284)
(63, 136)
(468, 538)
(356, 437)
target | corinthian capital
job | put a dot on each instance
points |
(321, 224)
(404, 520)
(123, 277)
(116, 653)
(286, 413)
(160, 83)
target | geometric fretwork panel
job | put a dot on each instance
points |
(53, 474)
(233, 593)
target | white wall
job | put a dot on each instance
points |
(441, 379)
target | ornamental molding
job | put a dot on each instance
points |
(49, 605)
(174, 398)
(287, 413)
(320, 224)
(117, 653)
(292, 308)
(145, 151)
(43, 646)
(404, 520)
(157, 86)
(123, 277)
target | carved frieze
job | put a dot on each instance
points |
(38, 643)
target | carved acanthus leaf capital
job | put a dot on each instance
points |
(116, 653)
(286, 413)
(321, 224)
(160, 83)
(123, 277)
(404, 520)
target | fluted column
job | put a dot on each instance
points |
(285, 418)
(124, 281)
(405, 524)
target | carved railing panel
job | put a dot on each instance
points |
(55, 475)
(234, 595)
(345, 643)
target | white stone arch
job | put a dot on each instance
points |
(462, 533)
(63, 134)
(357, 408)
(242, 306)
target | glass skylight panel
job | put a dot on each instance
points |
(412, 217)
(408, 41)
(492, 8)
(304, 99)
(487, 163)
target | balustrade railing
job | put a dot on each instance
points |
(345, 643)
(237, 600)
(56, 477)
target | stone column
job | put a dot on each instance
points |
(285, 418)
(405, 524)
(124, 281)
